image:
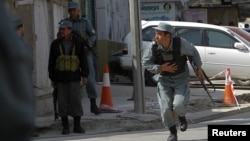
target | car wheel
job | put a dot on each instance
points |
(242, 82)
(149, 81)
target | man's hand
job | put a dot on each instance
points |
(87, 49)
(168, 67)
(84, 80)
(200, 73)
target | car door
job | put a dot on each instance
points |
(221, 54)
(195, 36)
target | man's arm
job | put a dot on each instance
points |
(91, 34)
(147, 61)
(51, 63)
(83, 61)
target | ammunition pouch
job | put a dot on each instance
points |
(67, 62)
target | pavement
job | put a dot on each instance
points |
(123, 117)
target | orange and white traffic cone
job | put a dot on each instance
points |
(229, 98)
(106, 103)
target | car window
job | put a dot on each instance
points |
(148, 34)
(219, 39)
(192, 35)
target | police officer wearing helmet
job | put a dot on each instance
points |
(82, 27)
(166, 58)
(67, 67)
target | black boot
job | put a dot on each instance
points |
(183, 123)
(65, 124)
(77, 125)
(93, 107)
(173, 134)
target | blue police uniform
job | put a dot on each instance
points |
(173, 91)
(82, 27)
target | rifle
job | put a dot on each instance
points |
(201, 80)
(55, 103)
(85, 42)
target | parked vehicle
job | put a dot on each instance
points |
(219, 48)
(246, 29)
(240, 31)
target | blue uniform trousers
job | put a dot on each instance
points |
(173, 96)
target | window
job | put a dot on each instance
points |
(192, 35)
(219, 39)
(148, 34)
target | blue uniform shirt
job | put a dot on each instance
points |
(82, 27)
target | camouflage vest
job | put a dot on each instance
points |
(67, 62)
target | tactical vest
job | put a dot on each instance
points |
(162, 57)
(67, 62)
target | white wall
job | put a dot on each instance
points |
(112, 19)
(42, 31)
(59, 13)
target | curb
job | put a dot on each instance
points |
(219, 112)
(127, 121)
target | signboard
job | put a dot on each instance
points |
(195, 15)
(158, 11)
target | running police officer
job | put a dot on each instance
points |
(167, 59)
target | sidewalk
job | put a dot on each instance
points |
(128, 120)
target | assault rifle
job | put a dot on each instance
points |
(201, 80)
(85, 42)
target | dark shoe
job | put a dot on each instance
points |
(173, 134)
(94, 109)
(172, 137)
(79, 130)
(183, 123)
(77, 125)
(65, 131)
(65, 124)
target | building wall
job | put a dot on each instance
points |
(112, 19)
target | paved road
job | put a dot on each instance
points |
(195, 132)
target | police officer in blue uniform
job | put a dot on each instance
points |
(82, 27)
(16, 95)
(167, 59)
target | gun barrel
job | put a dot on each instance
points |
(201, 80)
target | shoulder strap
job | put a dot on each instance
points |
(60, 48)
(154, 48)
(177, 45)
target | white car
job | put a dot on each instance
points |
(219, 47)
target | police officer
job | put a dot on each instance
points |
(82, 27)
(19, 26)
(67, 67)
(167, 59)
(16, 96)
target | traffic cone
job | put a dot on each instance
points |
(106, 103)
(228, 98)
